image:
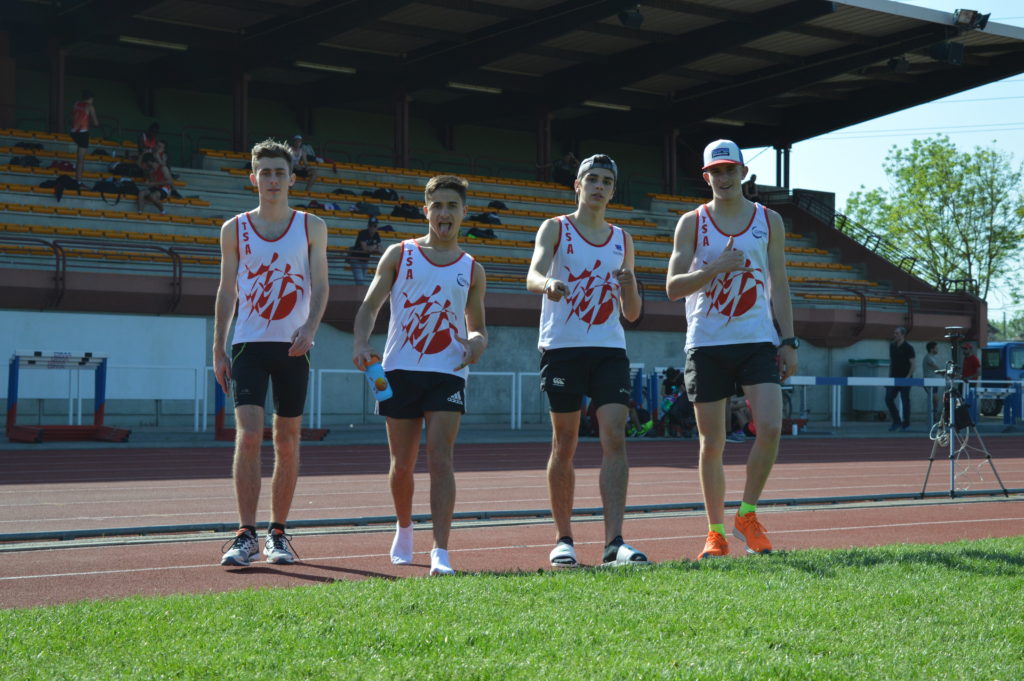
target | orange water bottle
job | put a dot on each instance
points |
(377, 380)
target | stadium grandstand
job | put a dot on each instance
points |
(391, 92)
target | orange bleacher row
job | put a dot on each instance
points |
(514, 190)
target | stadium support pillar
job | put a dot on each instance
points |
(8, 98)
(670, 158)
(55, 119)
(782, 166)
(240, 113)
(543, 145)
(402, 145)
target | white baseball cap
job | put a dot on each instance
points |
(722, 151)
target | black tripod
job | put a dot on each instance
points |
(953, 430)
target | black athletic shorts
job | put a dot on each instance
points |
(81, 138)
(715, 372)
(567, 374)
(414, 393)
(255, 365)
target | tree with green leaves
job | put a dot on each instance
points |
(961, 212)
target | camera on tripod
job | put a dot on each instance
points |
(955, 335)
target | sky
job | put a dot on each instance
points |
(845, 160)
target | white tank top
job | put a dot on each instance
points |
(735, 307)
(428, 309)
(589, 315)
(272, 281)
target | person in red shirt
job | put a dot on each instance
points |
(82, 115)
(972, 365)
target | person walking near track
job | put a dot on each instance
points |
(728, 262)
(274, 264)
(437, 329)
(583, 267)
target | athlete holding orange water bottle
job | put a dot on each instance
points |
(436, 331)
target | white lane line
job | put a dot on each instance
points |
(383, 556)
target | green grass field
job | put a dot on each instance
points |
(952, 611)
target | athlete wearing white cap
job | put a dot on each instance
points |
(728, 262)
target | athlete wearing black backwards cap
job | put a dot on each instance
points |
(583, 267)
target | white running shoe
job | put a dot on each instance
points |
(278, 548)
(244, 548)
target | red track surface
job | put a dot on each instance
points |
(92, 489)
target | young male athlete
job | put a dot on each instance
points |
(583, 266)
(436, 331)
(274, 264)
(728, 261)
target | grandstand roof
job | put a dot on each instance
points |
(762, 72)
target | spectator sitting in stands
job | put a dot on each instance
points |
(563, 170)
(148, 141)
(367, 243)
(158, 183)
(750, 189)
(739, 418)
(300, 162)
(161, 156)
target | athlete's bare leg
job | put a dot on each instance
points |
(404, 447)
(246, 469)
(442, 427)
(711, 428)
(287, 430)
(565, 429)
(614, 467)
(766, 410)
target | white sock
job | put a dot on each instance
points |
(439, 563)
(401, 547)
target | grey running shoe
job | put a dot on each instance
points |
(244, 547)
(278, 548)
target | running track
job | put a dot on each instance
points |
(52, 491)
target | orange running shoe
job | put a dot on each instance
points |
(752, 532)
(715, 547)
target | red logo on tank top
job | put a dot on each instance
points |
(273, 292)
(592, 296)
(431, 323)
(733, 294)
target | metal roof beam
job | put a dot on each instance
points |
(440, 62)
(589, 81)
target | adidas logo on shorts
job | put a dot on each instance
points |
(456, 399)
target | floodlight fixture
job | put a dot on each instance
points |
(969, 19)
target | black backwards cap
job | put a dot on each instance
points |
(599, 161)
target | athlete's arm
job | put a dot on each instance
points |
(366, 316)
(629, 297)
(782, 302)
(92, 115)
(319, 288)
(537, 280)
(680, 282)
(476, 326)
(224, 308)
